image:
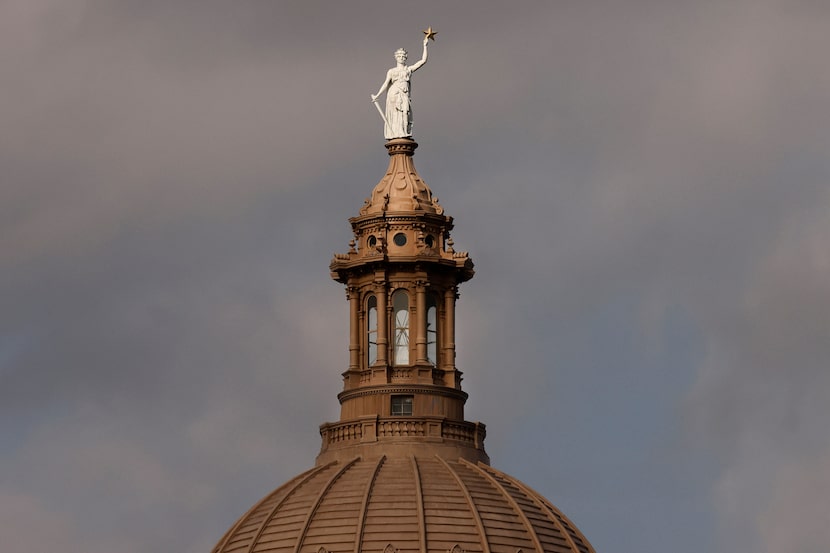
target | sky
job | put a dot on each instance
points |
(642, 185)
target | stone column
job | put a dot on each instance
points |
(421, 323)
(353, 294)
(383, 325)
(449, 329)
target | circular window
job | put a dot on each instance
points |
(429, 241)
(372, 241)
(399, 239)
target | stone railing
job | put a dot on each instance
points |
(348, 432)
(402, 372)
(421, 374)
(389, 429)
(405, 428)
(460, 432)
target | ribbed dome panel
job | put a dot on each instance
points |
(446, 510)
(285, 524)
(503, 525)
(413, 504)
(336, 519)
(393, 509)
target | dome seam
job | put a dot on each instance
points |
(319, 500)
(229, 534)
(419, 494)
(512, 501)
(485, 544)
(545, 508)
(270, 516)
(571, 528)
(364, 506)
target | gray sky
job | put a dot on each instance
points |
(642, 185)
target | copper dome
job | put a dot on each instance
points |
(405, 505)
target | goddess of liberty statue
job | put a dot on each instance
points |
(398, 117)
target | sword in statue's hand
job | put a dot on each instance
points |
(380, 111)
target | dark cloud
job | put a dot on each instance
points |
(643, 188)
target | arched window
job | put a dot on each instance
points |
(372, 330)
(432, 330)
(400, 310)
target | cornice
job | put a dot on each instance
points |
(402, 389)
(341, 269)
(401, 216)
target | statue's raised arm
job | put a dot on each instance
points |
(398, 116)
(423, 60)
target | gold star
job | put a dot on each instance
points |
(430, 33)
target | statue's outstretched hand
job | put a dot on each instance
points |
(374, 97)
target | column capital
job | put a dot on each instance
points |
(452, 292)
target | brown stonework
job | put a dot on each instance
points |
(416, 503)
(402, 471)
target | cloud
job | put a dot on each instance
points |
(795, 518)
(642, 188)
(28, 525)
(763, 395)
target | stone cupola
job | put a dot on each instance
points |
(402, 471)
(402, 275)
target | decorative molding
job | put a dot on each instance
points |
(396, 285)
(381, 220)
(402, 389)
(402, 226)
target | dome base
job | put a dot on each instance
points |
(411, 504)
(373, 436)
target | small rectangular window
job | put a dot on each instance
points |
(402, 405)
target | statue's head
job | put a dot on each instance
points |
(400, 55)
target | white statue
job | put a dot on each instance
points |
(398, 117)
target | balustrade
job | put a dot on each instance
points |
(398, 427)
